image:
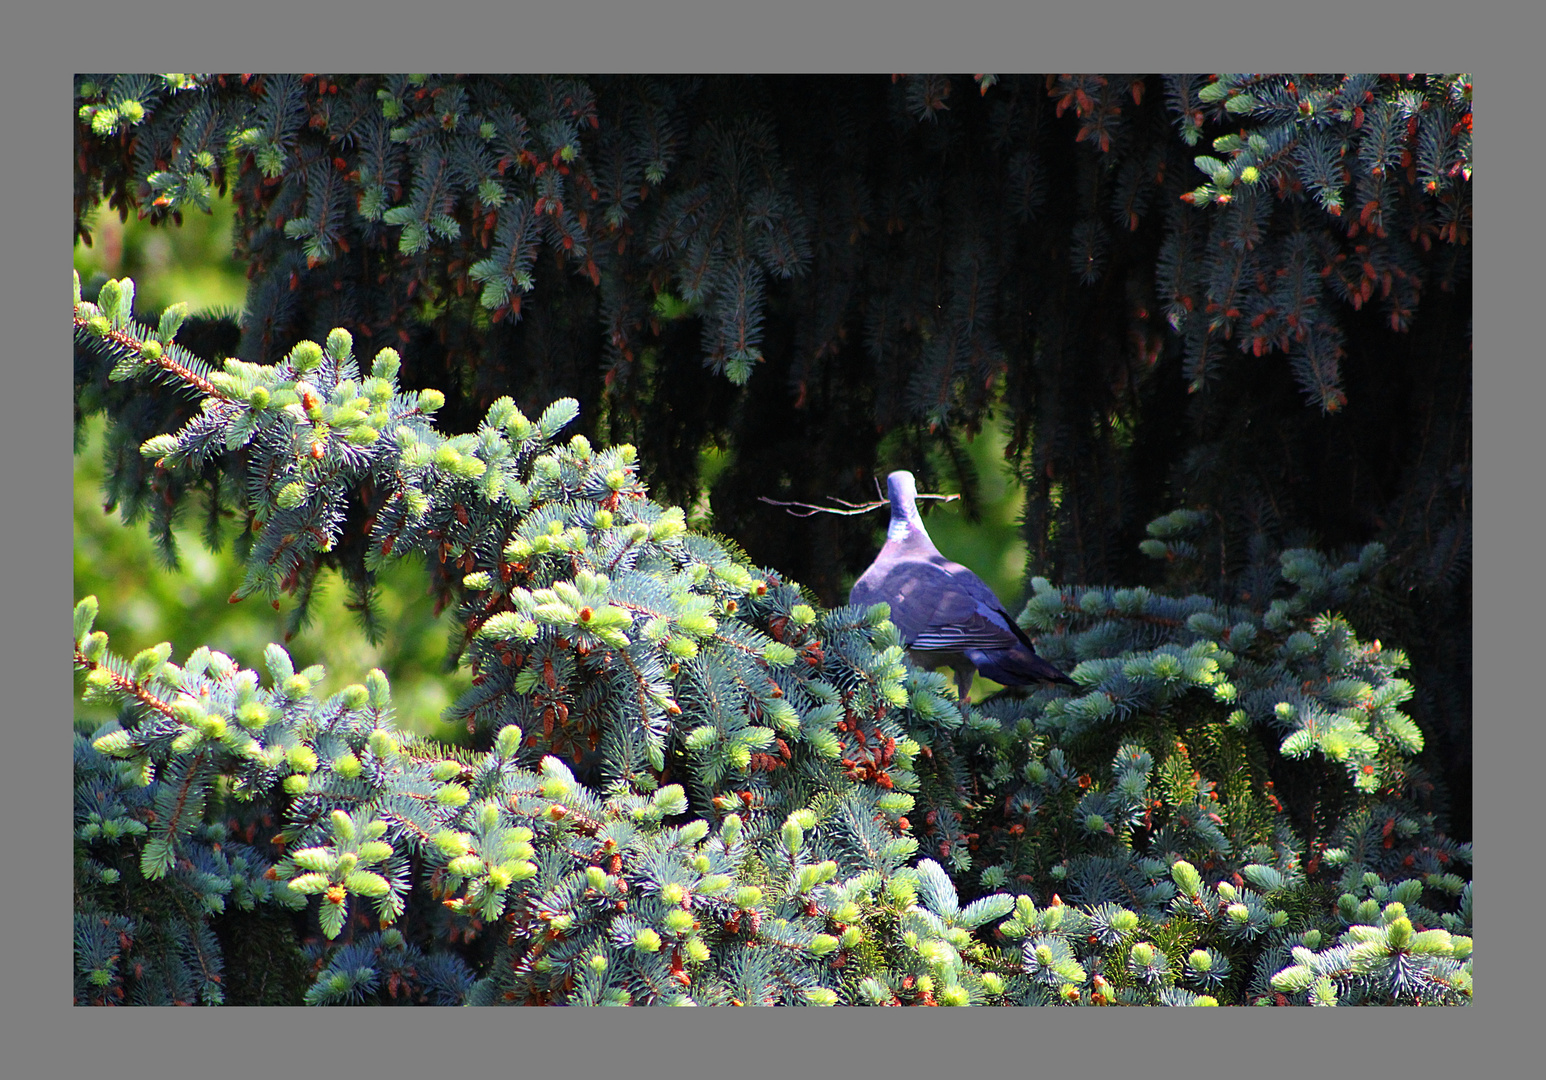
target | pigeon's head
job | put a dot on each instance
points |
(903, 490)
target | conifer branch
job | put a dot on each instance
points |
(124, 684)
(135, 344)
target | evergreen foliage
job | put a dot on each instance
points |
(689, 783)
(1244, 295)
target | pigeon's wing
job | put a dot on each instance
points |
(963, 613)
(937, 604)
(942, 607)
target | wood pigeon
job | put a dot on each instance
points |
(947, 615)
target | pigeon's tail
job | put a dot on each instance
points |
(1015, 667)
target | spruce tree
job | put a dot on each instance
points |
(689, 778)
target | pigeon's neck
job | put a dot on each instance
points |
(904, 524)
(905, 520)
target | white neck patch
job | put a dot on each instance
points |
(904, 510)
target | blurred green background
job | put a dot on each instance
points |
(143, 601)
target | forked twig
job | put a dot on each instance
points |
(807, 509)
(851, 508)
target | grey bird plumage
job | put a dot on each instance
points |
(946, 614)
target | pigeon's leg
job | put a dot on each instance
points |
(964, 672)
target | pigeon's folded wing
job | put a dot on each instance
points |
(940, 605)
(943, 608)
(960, 620)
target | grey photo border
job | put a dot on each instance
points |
(46, 1036)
